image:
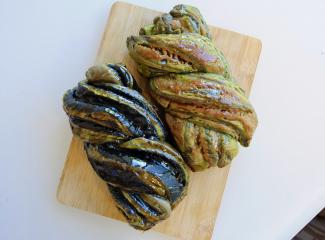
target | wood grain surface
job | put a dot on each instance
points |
(194, 218)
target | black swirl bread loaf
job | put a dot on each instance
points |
(125, 143)
(206, 110)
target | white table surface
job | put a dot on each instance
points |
(274, 188)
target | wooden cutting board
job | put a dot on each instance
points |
(194, 218)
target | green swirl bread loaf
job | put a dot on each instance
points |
(207, 112)
(125, 143)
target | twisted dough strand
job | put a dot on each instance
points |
(125, 143)
(206, 110)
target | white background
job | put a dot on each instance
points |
(274, 188)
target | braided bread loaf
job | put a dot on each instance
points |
(206, 110)
(125, 143)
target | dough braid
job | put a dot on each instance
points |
(125, 143)
(206, 110)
